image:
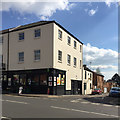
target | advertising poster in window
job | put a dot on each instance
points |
(9, 81)
(62, 80)
(50, 83)
(54, 83)
(50, 78)
(54, 79)
(58, 81)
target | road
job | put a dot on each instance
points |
(61, 107)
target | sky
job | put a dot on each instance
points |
(93, 23)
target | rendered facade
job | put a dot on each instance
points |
(87, 80)
(42, 57)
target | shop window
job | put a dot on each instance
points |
(35, 80)
(60, 79)
(43, 79)
(15, 80)
(23, 79)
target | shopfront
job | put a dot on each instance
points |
(42, 81)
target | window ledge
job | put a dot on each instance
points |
(60, 39)
(37, 37)
(21, 62)
(74, 66)
(36, 60)
(59, 61)
(69, 64)
(20, 40)
(69, 44)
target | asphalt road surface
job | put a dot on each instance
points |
(61, 107)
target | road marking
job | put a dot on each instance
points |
(15, 101)
(85, 102)
(96, 103)
(75, 101)
(117, 106)
(107, 105)
(5, 118)
(69, 109)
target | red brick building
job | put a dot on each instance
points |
(98, 81)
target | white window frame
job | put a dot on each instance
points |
(59, 34)
(75, 44)
(75, 61)
(37, 55)
(37, 31)
(21, 36)
(59, 55)
(80, 64)
(69, 40)
(68, 59)
(80, 48)
(20, 58)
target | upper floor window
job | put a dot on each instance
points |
(21, 36)
(59, 55)
(37, 55)
(69, 40)
(85, 75)
(1, 39)
(21, 56)
(37, 33)
(80, 48)
(75, 62)
(68, 59)
(59, 34)
(80, 63)
(75, 44)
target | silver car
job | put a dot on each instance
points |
(114, 92)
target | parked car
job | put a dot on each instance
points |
(115, 92)
(97, 91)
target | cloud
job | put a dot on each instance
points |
(109, 2)
(44, 10)
(92, 12)
(105, 59)
(99, 55)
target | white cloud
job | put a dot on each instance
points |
(92, 12)
(44, 10)
(105, 59)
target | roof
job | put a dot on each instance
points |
(86, 68)
(37, 24)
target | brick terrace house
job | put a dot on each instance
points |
(98, 81)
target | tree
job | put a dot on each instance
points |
(98, 70)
